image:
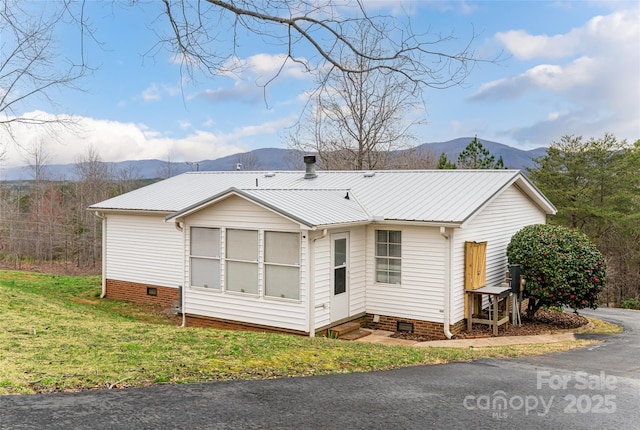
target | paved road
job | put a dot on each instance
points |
(596, 387)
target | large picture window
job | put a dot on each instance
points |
(205, 257)
(242, 261)
(388, 256)
(248, 253)
(282, 264)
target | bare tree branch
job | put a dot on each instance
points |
(329, 28)
(31, 69)
(362, 120)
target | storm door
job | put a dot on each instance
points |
(339, 276)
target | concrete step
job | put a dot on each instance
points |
(354, 335)
(340, 330)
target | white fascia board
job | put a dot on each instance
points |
(418, 223)
(535, 194)
(180, 215)
(105, 211)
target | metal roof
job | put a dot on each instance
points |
(298, 205)
(434, 196)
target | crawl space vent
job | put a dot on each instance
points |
(404, 327)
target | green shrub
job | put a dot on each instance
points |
(632, 303)
(561, 267)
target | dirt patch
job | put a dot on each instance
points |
(544, 322)
(89, 302)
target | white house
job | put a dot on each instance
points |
(300, 252)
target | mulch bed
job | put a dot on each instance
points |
(543, 322)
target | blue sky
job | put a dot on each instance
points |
(566, 68)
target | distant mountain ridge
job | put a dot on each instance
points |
(270, 159)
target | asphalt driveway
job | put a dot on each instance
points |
(596, 387)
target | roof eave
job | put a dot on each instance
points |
(420, 223)
(237, 192)
(130, 211)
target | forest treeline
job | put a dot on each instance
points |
(45, 222)
(595, 185)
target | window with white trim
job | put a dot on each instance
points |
(205, 257)
(242, 260)
(388, 256)
(282, 264)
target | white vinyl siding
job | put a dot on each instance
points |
(420, 295)
(236, 212)
(323, 273)
(322, 280)
(357, 270)
(143, 249)
(495, 224)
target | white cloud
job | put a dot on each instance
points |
(119, 141)
(151, 94)
(545, 77)
(525, 46)
(155, 92)
(263, 68)
(251, 75)
(240, 92)
(598, 34)
(591, 86)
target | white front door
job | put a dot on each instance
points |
(339, 276)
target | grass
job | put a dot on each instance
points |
(603, 327)
(58, 335)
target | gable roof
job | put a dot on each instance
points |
(298, 205)
(428, 196)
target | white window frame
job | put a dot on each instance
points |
(283, 264)
(214, 255)
(381, 258)
(229, 261)
(261, 263)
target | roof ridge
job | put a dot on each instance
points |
(292, 189)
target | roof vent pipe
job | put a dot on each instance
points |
(310, 162)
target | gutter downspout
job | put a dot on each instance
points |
(180, 228)
(103, 294)
(312, 284)
(447, 282)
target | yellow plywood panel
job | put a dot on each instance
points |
(475, 268)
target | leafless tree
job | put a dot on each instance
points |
(417, 157)
(127, 178)
(204, 36)
(93, 185)
(329, 29)
(30, 66)
(360, 120)
(168, 167)
(37, 159)
(247, 161)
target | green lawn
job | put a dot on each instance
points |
(56, 334)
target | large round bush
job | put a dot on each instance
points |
(561, 266)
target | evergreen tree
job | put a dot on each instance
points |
(444, 163)
(587, 181)
(595, 186)
(476, 156)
